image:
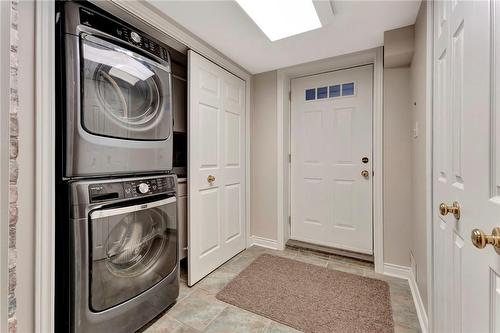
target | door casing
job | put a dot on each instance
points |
(358, 76)
(372, 56)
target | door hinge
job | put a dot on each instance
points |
(289, 158)
(289, 220)
(290, 95)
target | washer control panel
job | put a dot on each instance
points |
(136, 188)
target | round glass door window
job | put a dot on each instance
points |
(130, 252)
(125, 95)
(135, 243)
(129, 101)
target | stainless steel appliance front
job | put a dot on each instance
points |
(118, 97)
(123, 252)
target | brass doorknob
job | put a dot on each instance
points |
(480, 240)
(210, 179)
(444, 209)
(365, 173)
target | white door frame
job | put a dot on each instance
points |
(4, 160)
(45, 166)
(372, 56)
(45, 138)
(426, 319)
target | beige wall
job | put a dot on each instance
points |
(419, 158)
(398, 46)
(406, 185)
(264, 190)
(397, 166)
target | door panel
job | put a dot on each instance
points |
(233, 211)
(209, 220)
(464, 277)
(216, 226)
(331, 133)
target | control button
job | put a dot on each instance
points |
(143, 188)
(135, 37)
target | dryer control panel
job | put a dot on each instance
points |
(115, 29)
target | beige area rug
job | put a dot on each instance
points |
(311, 298)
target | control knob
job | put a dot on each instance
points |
(135, 37)
(143, 188)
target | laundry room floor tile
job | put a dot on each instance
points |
(236, 320)
(166, 324)
(197, 309)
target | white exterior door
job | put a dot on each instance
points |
(466, 296)
(331, 146)
(216, 166)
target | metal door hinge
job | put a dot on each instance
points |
(289, 220)
(289, 95)
(289, 158)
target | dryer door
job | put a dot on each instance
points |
(125, 95)
(132, 249)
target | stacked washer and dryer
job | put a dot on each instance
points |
(116, 229)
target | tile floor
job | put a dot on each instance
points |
(197, 309)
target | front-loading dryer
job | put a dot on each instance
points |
(116, 96)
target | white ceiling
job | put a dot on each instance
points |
(355, 26)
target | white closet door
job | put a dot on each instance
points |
(216, 166)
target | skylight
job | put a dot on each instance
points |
(282, 18)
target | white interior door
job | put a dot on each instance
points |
(466, 291)
(331, 145)
(216, 166)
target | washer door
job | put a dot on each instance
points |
(133, 248)
(125, 95)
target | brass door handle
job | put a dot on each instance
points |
(444, 209)
(365, 173)
(210, 179)
(480, 240)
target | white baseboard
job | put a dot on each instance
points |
(264, 242)
(398, 271)
(406, 273)
(419, 304)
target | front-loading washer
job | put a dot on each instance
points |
(115, 96)
(117, 254)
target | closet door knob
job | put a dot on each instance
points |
(210, 179)
(444, 209)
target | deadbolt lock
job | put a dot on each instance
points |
(365, 160)
(365, 173)
(444, 209)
